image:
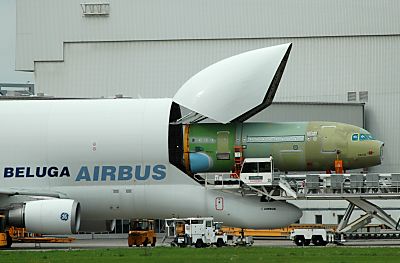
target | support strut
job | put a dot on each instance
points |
(371, 211)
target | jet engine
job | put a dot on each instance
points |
(53, 216)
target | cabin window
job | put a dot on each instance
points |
(265, 167)
(249, 168)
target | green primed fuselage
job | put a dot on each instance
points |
(295, 146)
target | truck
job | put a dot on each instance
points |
(318, 237)
(142, 233)
(200, 232)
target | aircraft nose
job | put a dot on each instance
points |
(288, 214)
(294, 213)
(375, 152)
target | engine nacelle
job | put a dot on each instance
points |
(54, 216)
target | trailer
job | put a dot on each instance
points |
(20, 235)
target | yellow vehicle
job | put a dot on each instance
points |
(5, 240)
(142, 233)
(20, 235)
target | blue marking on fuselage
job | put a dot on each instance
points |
(92, 174)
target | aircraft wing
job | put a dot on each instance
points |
(236, 88)
(30, 192)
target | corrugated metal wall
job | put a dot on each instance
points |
(43, 25)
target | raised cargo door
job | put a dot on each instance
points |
(236, 88)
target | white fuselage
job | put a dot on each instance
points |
(112, 156)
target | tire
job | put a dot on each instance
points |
(199, 243)
(9, 240)
(318, 241)
(307, 242)
(220, 242)
(130, 245)
(299, 240)
(153, 244)
(145, 242)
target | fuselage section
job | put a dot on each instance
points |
(296, 146)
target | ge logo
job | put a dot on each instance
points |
(64, 216)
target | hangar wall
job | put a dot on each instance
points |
(43, 25)
(150, 48)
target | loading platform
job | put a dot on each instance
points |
(356, 189)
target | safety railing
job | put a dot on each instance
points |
(346, 184)
(220, 180)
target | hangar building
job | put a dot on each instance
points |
(343, 51)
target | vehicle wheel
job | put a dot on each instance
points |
(145, 243)
(299, 240)
(153, 244)
(199, 243)
(307, 242)
(9, 241)
(318, 241)
(130, 245)
(137, 245)
(220, 242)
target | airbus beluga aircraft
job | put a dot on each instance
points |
(70, 165)
(78, 164)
